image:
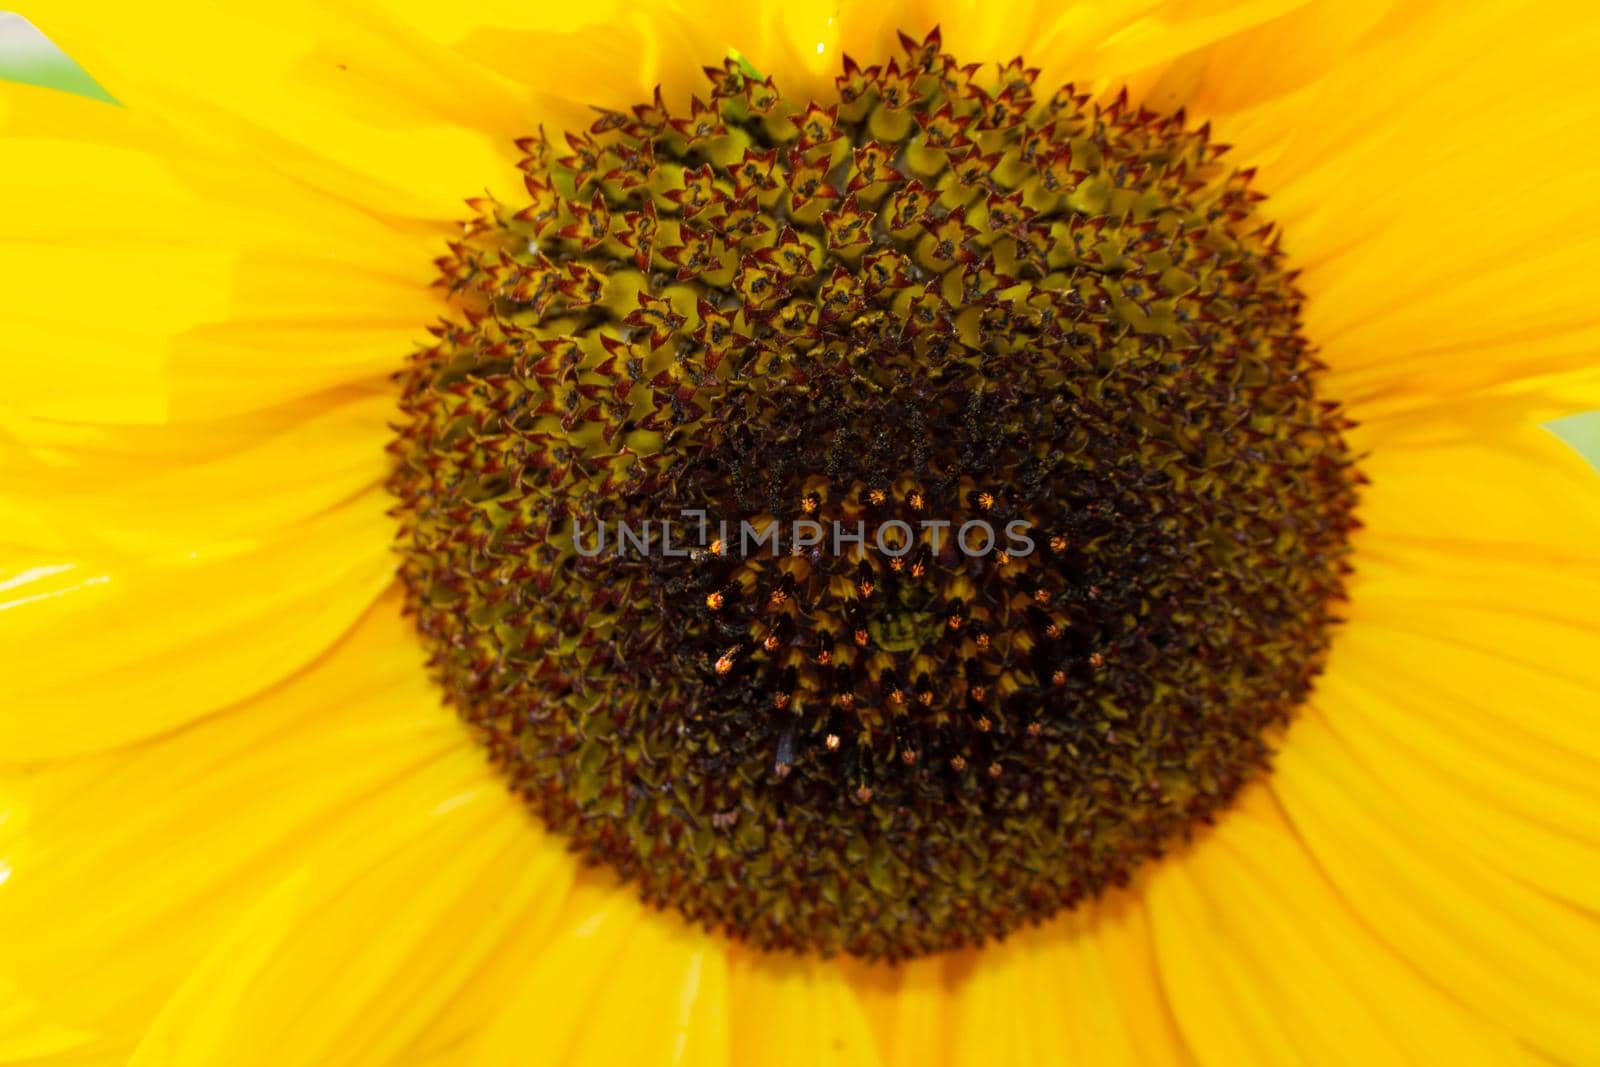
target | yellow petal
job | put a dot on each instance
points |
(1083, 988)
(907, 1007)
(155, 850)
(614, 54)
(790, 1012)
(357, 966)
(121, 647)
(539, 1023)
(1488, 653)
(345, 101)
(616, 984)
(74, 488)
(145, 277)
(1265, 963)
(1018, 1007)
(1514, 956)
(28, 1035)
(1111, 994)
(225, 977)
(1474, 591)
(1406, 149)
(1446, 782)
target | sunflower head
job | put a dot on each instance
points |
(869, 516)
(1007, 389)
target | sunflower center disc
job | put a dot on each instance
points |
(874, 524)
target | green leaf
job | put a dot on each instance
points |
(29, 57)
(1582, 432)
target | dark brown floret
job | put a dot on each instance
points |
(933, 298)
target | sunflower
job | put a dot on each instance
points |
(1269, 736)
